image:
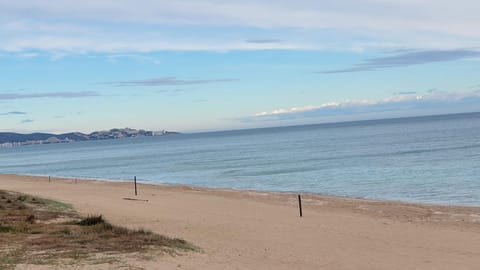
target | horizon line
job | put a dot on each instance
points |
(268, 127)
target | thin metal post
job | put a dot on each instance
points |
(300, 205)
(135, 181)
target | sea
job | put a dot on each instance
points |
(432, 159)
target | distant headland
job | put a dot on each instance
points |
(10, 139)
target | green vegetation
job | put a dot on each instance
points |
(4, 229)
(91, 220)
(52, 205)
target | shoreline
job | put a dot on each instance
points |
(206, 188)
(439, 214)
(466, 213)
(262, 230)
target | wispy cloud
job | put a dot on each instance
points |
(13, 113)
(27, 121)
(82, 94)
(137, 57)
(200, 100)
(264, 41)
(28, 55)
(166, 81)
(107, 26)
(409, 58)
(405, 93)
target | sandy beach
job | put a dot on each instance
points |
(258, 230)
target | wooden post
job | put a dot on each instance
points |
(135, 182)
(49, 179)
(75, 181)
(300, 205)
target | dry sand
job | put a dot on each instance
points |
(255, 230)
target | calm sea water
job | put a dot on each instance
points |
(427, 159)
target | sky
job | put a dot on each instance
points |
(200, 65)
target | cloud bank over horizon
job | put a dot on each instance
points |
(430, 103)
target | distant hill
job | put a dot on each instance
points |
(14, 139)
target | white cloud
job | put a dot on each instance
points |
(28, 55)
(307, 108)
(397, 102)
(427, 15)
(151, 25)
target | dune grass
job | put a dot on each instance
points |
(40, 231)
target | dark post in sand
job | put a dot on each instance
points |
(135, 182)
(300, 205)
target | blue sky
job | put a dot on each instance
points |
(211, 65)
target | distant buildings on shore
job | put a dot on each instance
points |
(16, 139)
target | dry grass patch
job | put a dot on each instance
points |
(31, 234)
